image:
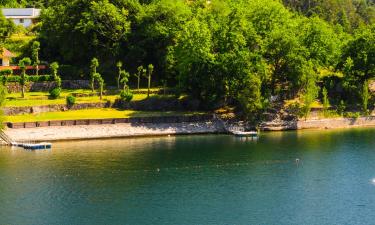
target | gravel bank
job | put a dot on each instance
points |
(111, 131)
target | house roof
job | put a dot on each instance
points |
(6, 53)
(21, 12)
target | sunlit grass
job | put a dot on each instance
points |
(106, 113)
(41, 98)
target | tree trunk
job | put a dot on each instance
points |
(23, 91)
(37, 70)
(139, 78)
(149, 84)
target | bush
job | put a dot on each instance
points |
(15, 79)
(6, 72)
(54, 93)
(41, 78)
(126, 96)
(70, 100)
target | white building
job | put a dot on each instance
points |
(25, 16)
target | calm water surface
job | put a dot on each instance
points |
(194, 180)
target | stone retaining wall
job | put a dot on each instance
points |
(332, 123)
(48, 85)
(144, 120)
(12, 111)
(336, 123)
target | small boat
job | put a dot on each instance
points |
(245, 133)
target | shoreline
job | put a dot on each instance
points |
(108, 131)
(129, 130)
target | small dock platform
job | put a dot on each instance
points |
(28, 146)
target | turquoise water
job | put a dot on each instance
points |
(194, 180)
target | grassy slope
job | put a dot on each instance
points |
(90, 114)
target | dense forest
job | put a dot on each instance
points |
(246, 53)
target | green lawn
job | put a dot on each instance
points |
(90, 114)
(41, 98)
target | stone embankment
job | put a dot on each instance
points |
(332, 123)
(80, 132)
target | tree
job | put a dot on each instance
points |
(119, 66)
(325, 101)
(54, 67)
(311, 92)
(365, 94)
(75, 31)
(94, 64)
(35, 47)
(3, 94)
(124, 80)
(23, 63)
(100, 80)
(250, 97)
(149, 74)
(138, 75)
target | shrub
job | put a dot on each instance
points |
(70, 100)
(54, 93)
(6, 72)
(126, 95)
(341, 108)
(16, 79)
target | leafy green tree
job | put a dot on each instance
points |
(100, 80)
(138, 75)
(75, 31)
(35, 48)
(93, 66)
(150, 70)
(124, 80)
(250, 97)
(119, 67)
(54, 67)
(365, 94)
(325, 101)
(23, 63)
(311, 92)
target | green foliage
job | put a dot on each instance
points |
(126, 95)
(23, 63)
(138, 75)
(250, 97)
(325, 101)
(341, 108)
(94, 64)
(54, 93)
(54, 67)
(119, 66)
(124, 79)
(310, 94)
(35, 47)
(70, 100)
(6, 72)
(100, 80)
(365, 94)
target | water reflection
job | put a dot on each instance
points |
(193, 180)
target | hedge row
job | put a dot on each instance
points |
(17, 79)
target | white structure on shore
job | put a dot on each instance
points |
(22, 16)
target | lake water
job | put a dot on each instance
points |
(194, 180)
